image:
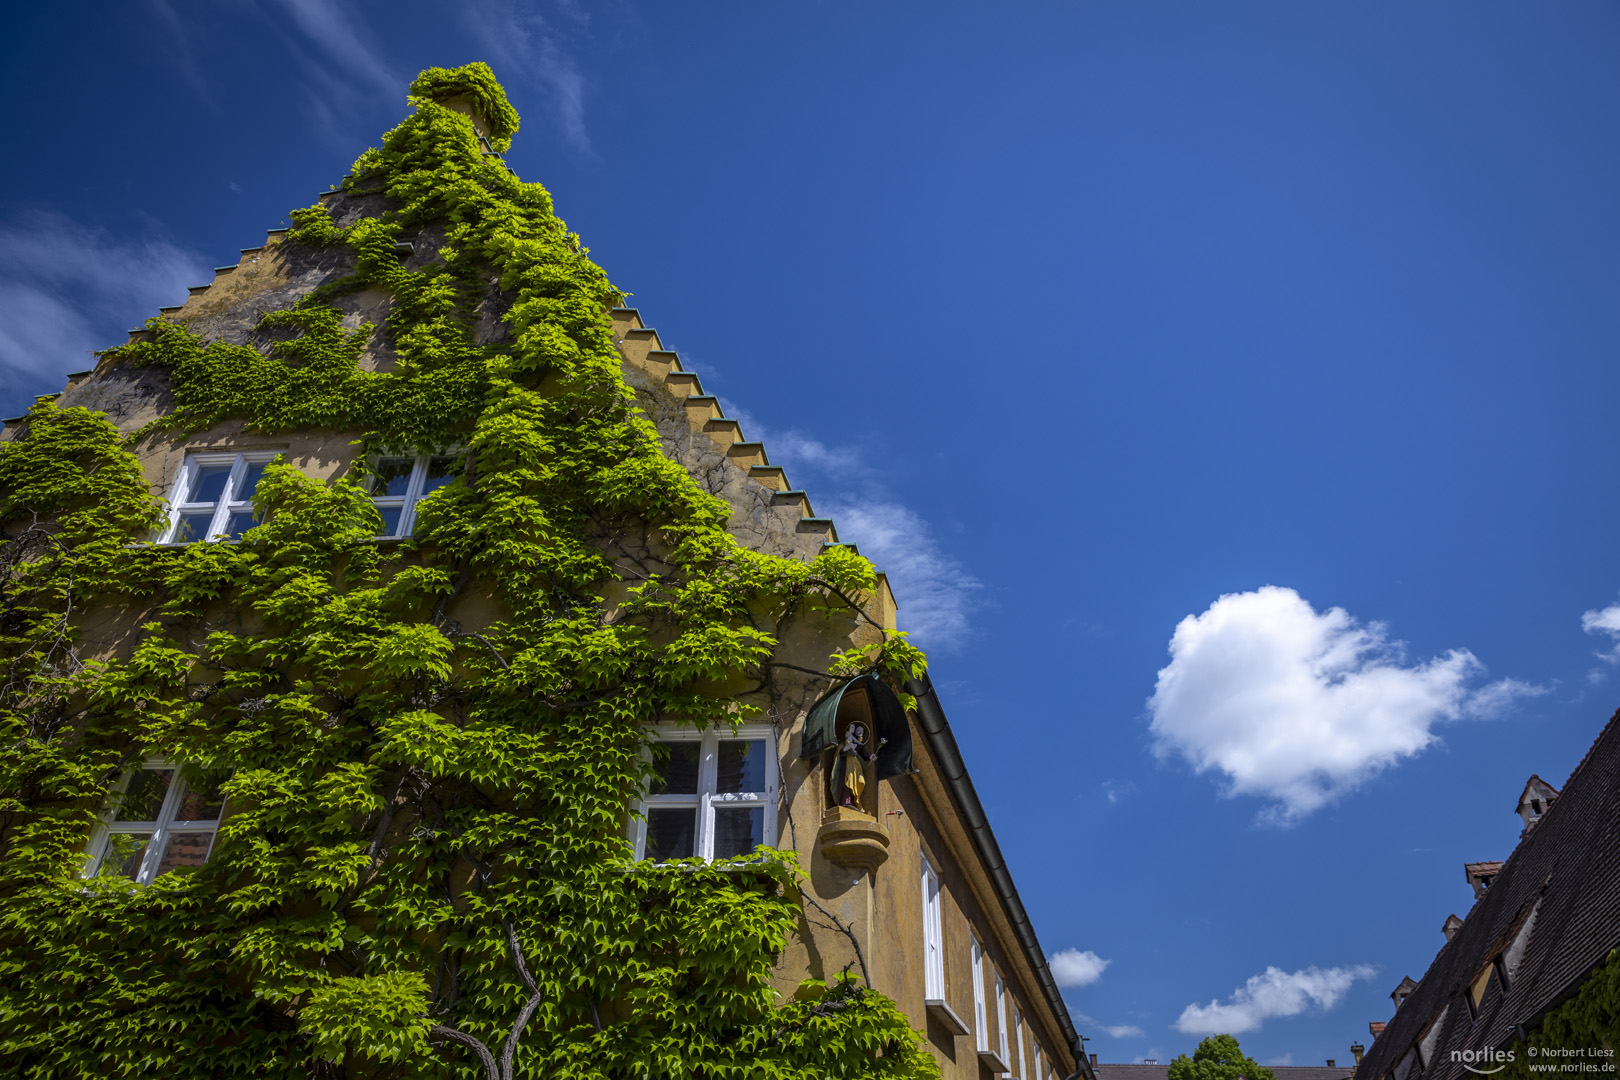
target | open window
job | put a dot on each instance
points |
(213, 496)
(399, 483)
(158, 817)
(1479, 988)
(712, 795)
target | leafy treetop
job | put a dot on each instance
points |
(1218, 1058)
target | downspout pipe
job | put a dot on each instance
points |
(942, 746)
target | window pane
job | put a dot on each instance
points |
(677, 773)
(202, 800)
(250, 480)
(124, 854)
(192, 527)
(670, 832)
(738, 830)
(440, 471)
(390, 516)
(143, 798)
(185, 849)
(207, 483)
(238, 523)
(393, 476)
(742, 766)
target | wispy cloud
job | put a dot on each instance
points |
(1301, 706)
(66, 290)
(525, 43)
(1072, 967)
(1117, 1031)
(936, 593)
(1604, 621)
(1271, 994)
(182, 49)
(1116, 790)
(345, 39)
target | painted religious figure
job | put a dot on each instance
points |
(849, 770)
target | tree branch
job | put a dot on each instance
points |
(841, 928)
(485, 1058)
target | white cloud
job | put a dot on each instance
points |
(1301, 706)
(1606, 621)
(1071, 967)
(1286, 1059)
(66, 290)
(1273, 993)
(523, 43)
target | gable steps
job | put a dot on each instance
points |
(641, 346)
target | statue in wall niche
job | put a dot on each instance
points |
(849, 768)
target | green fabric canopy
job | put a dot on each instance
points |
(893, 730)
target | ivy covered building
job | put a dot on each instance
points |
(411, 672)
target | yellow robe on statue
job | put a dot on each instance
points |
(855, 776)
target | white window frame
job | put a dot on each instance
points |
(1001, 1018)
(1037, 1075)
(406, 503)
(707, 799)
(981, 1021)
(933, 938)
(238, 460)
(160, 828)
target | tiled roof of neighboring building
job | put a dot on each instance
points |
(1161, 1071)
(1554, 908)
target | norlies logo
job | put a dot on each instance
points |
(1472, 1060)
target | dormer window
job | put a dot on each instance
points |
(213, 497)
(399, 483)
(1536, 799)
(1479, 988)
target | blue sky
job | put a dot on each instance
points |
(1079, 318)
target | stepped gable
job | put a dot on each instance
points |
(1553, 912)
(767, 514)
